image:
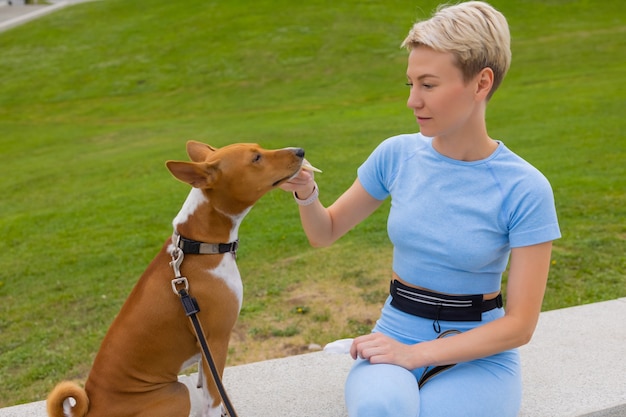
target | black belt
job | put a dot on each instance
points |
(442, 307)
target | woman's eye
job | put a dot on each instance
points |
(409, 85)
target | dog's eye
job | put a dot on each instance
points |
(257, 158)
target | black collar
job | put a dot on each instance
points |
(193, 247)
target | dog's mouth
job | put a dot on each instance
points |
(280, 181)
(287, 178)
(277, 183)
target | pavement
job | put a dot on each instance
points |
(573, 367)
(15, 12)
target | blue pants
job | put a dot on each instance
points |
(487, 387)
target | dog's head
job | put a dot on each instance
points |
(237, 174)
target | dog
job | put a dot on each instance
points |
(135, 373)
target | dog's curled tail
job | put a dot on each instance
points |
(60, 404)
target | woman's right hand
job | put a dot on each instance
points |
(302, 184)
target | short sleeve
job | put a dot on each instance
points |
(534, 219)
(377, 173)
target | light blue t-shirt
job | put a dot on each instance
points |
(453, 223)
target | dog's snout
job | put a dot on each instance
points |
(299, 152)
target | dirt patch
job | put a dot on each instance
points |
(306, 317)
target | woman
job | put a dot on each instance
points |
(463, 205)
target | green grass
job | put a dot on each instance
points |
(94, 98)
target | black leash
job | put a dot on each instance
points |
(191, 308)
(190, 305)
(430, 373)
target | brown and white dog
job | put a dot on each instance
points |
(135, 372)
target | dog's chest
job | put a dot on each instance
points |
(227, 271)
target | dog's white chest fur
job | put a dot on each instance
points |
(228, 271)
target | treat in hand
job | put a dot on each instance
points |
(306, 165)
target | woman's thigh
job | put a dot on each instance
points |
(481, 388)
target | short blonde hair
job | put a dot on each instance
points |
(474, 32)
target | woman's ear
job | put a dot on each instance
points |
(484, 83)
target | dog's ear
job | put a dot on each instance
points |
(197, 174)
(198, 151)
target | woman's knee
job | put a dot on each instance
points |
(381, 390)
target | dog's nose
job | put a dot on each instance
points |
(299, 152)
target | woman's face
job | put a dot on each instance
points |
(442, 102)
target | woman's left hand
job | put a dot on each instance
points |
(378, 348)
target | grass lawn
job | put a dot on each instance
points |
(94, 98)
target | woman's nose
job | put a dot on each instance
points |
(414, 101)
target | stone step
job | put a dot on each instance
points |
(575, 366)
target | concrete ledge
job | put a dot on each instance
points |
(574, 367)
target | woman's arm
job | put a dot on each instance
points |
(323, 226)
(528, 274)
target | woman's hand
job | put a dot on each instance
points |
(378, 348)
(302, 184)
